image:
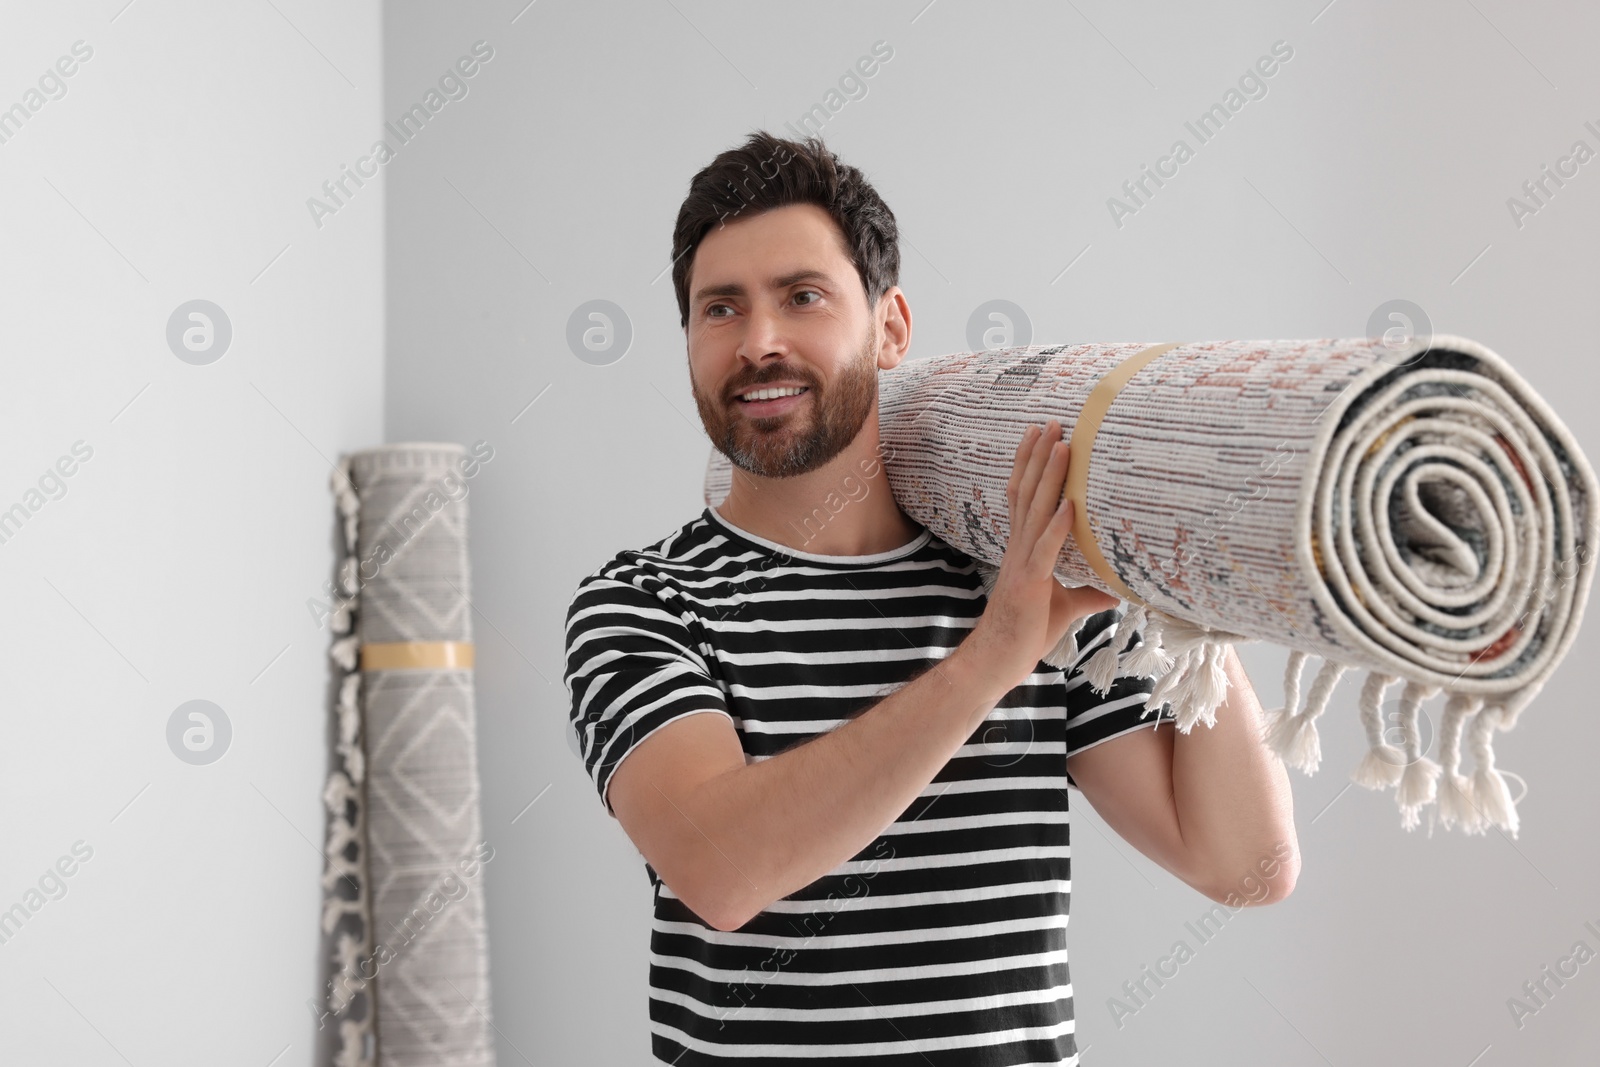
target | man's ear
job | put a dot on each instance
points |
(895, 321)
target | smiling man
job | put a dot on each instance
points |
(847, 768)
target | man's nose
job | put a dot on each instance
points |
(763, 335)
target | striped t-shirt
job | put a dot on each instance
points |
(944, 941)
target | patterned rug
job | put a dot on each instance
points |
(1415, 511)
(405, 851)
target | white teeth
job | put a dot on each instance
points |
(769, 394)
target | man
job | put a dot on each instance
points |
(846, 768)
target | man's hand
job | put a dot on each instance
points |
(1029, 610)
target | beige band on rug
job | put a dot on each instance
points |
(1081, 449)
(416, 655)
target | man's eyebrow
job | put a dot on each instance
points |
(783, 281)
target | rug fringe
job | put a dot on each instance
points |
(1294, 736)
(1456, 800)
(1383, 764)
(1101, 669)
(342, 795)
(1196, 684)
(1065, 654)
(1490, 794)
(1419, 783)
(1149, 659)
(1188, 662)
(1292, 671)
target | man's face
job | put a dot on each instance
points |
(774, 301)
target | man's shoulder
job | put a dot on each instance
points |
(691, 549)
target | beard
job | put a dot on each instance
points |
(794, 443)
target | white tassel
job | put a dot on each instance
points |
(1210, 682)
(1101, 670)
(334, 907)
(341, 832)
(342, 616)
(1196, 683)
(349, 710)
(1180, 635)
(1457, 803)
(344, 603)
(1065, 654)
(354, 1040)
(1420, 782)
(1168, 688)
(1110, 661)
(1195, 686)
(337, 792)
(1383, 764)
(348, 574)
(1135, 621)
(349, 726)
(1489, 790)
(344, 651)
(1128, 627)
(1292, 670)
(1294, 738)
(349, 502)
(1194, 695)
(348, 954)
(1150, 659)
(1186, 707)
(1418, 789)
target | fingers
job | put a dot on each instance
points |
(1041, 518)
(1047, 549)
(1019, 464)
(1047, 493)
(1047, 488)
(1027, 474)
(1024, 516)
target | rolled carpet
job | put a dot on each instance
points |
(405, 845)
(1413, 510)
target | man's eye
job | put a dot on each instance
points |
(710, 311)
(808, 292)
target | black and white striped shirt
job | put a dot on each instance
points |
(942, 942)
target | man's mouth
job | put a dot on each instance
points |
(771, 401)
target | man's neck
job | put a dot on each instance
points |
(842, 509)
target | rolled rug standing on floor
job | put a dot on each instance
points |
(1416, 510)
(408, 735)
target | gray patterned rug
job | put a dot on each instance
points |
(404, 885)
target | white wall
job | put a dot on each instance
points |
(178, 563)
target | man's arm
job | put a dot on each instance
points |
(729, 839)
(1208, 805)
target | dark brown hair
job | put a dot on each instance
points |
(768, 172)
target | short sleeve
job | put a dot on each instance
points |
(1093, 718)
(632, 668)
